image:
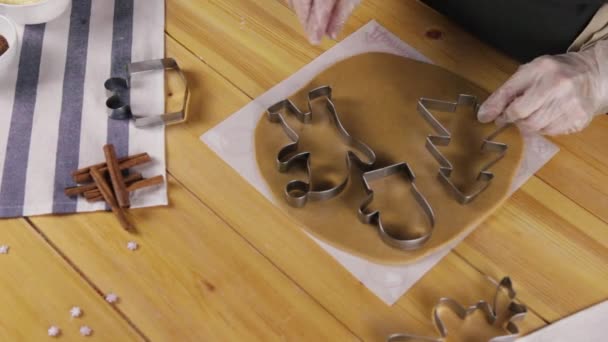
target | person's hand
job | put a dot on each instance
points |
(553, 94)
(323, 17)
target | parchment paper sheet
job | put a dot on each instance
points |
(588, 325)
(387, 282)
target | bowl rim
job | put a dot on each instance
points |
(12, 35)
(36, 3)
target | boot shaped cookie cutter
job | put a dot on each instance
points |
(442, 137)
(118, 89)
(298, 192)
(516, 312)
(375, 218)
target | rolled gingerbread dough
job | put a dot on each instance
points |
(376, 95)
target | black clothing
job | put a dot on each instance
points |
(523, 29)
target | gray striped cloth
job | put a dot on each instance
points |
(52, 104)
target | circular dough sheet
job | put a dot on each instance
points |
(376, 95)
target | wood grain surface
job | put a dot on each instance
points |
(221, 263)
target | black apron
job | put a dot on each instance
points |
(523, 29)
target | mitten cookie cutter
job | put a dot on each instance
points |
(515, 311)
(118, 88)
(298, 192)
(375, 218)
(442, 137)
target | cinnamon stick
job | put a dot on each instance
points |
(128, 163)
(86, 170)
(133, 177)
(92, 194)
(146, 183)
(95, 199)
(118, 182)
(108, 196)
(77, 190)
(96, 194)
(83, 189)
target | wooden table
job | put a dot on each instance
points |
(222, 264)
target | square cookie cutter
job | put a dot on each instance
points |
(118, 91)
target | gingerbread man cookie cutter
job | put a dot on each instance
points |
(515, 311)
(298, 192)
(443, 137)
(375, 218)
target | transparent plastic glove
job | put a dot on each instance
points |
(553, 94)
(323, 17)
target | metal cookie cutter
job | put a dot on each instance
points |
(298, 192)
(443, 138)
(516, 312)
(118, 89)
(375, 218)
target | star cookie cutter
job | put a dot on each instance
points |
(375, 218)
(515, 311)
(118, 88)
(298, 192)
(443, 137)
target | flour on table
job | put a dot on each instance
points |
(75, 312)
(132, 245)
(85, 331)
(54, 331)
(111, 298)
(4, 249)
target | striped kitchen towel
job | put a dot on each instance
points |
(52, 104)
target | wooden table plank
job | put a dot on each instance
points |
(555, 249)
(456, 51)
(258, 43)
(192, 278)
(281, 240)
(39, 288)
(453, 277)
(215, 31)
(589, 146)
(580, 170)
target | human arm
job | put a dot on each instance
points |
(323, 17)
(553, 95)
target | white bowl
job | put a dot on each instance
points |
(38, 12)
(8, 30)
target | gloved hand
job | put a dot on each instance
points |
(323, 17)
(553, 94)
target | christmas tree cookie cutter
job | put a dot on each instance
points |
(118, 91)
(443, 137)
(298, 192)
(515, 311)
(374, 217)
